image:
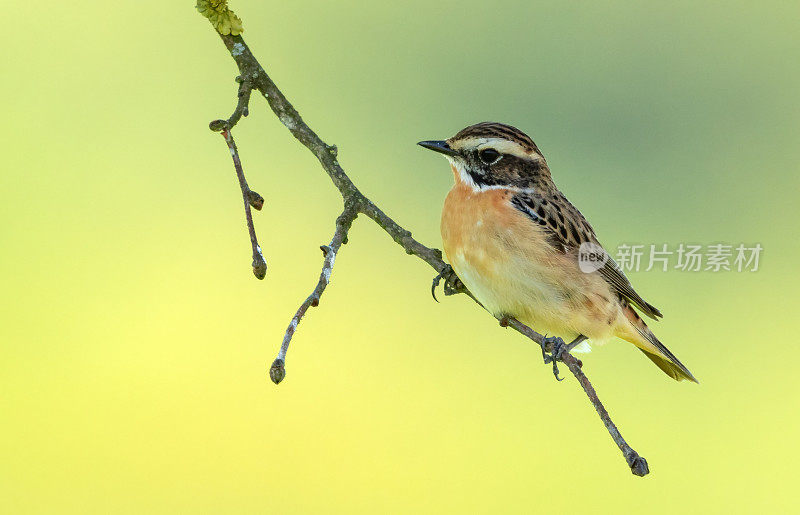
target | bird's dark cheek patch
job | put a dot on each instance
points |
(482, 179)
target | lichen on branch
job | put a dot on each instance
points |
(223, 19)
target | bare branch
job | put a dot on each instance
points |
(355, 203)
(242, 107)
(637, 463)
(278, 371)
(250, 197)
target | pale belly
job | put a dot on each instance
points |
(508, 265)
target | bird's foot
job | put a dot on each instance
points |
(557, 347)
(452, 284)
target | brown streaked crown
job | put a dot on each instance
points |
(498, 130)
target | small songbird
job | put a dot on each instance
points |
(515, 242)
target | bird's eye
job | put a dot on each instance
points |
(489, 155)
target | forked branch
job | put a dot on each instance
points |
(253, 77)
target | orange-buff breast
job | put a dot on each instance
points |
(506, 262)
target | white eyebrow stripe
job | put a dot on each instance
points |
(503, 146)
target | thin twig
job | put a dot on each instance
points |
(343, 223)
(637, 463)
(327, 155)
(250, 198)
(242, 106)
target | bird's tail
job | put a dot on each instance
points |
(658, 353)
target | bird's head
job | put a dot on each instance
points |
(487, 155)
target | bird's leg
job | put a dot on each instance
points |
(557, 348)
(452, 284)
(556, 345)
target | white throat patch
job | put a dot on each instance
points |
(465, 177)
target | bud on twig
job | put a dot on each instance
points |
(277, 371)
(259, 266)
(255, 200)
(218, 125)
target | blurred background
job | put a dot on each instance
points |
(134, 340)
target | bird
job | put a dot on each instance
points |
(516, 243)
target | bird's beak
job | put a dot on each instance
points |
(438, 146)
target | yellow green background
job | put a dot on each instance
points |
(134, 340)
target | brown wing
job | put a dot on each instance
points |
(614, 276)
(567, 229)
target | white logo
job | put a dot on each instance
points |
(591, 257)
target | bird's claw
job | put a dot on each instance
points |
(452, 284)
(557, 346)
